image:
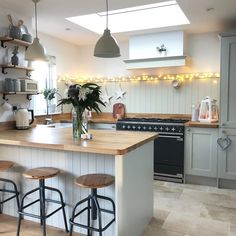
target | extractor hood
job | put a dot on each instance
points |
(157, 50)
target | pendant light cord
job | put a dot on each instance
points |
(107, 13)
(36, 23)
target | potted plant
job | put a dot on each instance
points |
(49, 95)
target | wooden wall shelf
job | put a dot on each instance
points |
(19, 42)
(28, 94)
(5, 66)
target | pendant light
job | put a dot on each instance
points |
(36, 51)
(106, 46)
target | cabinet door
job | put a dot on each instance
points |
(201, 151)
(227, 157)
(228, 82)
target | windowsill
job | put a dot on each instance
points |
(49, 114)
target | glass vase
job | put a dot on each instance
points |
(79, 122)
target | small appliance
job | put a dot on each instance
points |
(28, 85)
(22, 118)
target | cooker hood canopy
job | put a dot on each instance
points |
(157, 50)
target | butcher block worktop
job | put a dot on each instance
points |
(103, 142)
(201, 124)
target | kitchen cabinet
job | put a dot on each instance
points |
(228, 80)
(227, 154)
(201, 151)
(227, 131)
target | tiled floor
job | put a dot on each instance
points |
(192, 210)
(179, 210)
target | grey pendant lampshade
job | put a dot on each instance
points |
(36, 51)
(106, 46)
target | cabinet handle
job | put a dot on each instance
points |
(188, 130)
(223, 124)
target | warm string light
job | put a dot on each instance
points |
(147, 78)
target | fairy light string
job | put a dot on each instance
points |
(137, 78)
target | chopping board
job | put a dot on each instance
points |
(118, 109)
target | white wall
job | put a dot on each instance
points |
(161, 97)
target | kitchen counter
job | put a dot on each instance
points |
(201, 124)
(103, 142)
(126, 155)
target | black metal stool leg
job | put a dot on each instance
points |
(14, 192)
(20, 217)
(42, 204)
(99, 215)
(19, 225)
(89, 215)
(17, 195)
(62, 203)
(93, 205)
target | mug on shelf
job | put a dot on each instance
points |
(9, 85)
(6, 106)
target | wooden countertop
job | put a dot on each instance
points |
(201, 124)
(103, 142)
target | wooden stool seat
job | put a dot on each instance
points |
(41, 173)
(5, 165)
(95, 180)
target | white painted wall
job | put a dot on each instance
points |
(144, 46)
(161, 97)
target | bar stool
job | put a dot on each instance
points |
(5, 165)
(93, 181)
(41, 174)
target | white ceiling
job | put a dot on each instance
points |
(52, 14)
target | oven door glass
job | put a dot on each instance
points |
(169, 155)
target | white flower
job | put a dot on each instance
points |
(83, 93)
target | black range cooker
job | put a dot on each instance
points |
(168, 147)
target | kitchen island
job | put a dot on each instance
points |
(126, 155)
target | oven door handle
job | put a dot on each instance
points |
(178, 138)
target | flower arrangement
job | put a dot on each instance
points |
(82, 97)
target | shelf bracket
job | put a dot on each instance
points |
(29, 97)
(28, 73)
(2, 44)
(3, 70)
(4, 97)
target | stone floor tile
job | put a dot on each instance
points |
(232, 230)
(154, 229)
(195, 226)
(216, 199)
(187, 186)
(167, 192)
(192, 208)
(224, 214)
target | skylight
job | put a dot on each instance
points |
(158, 15)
